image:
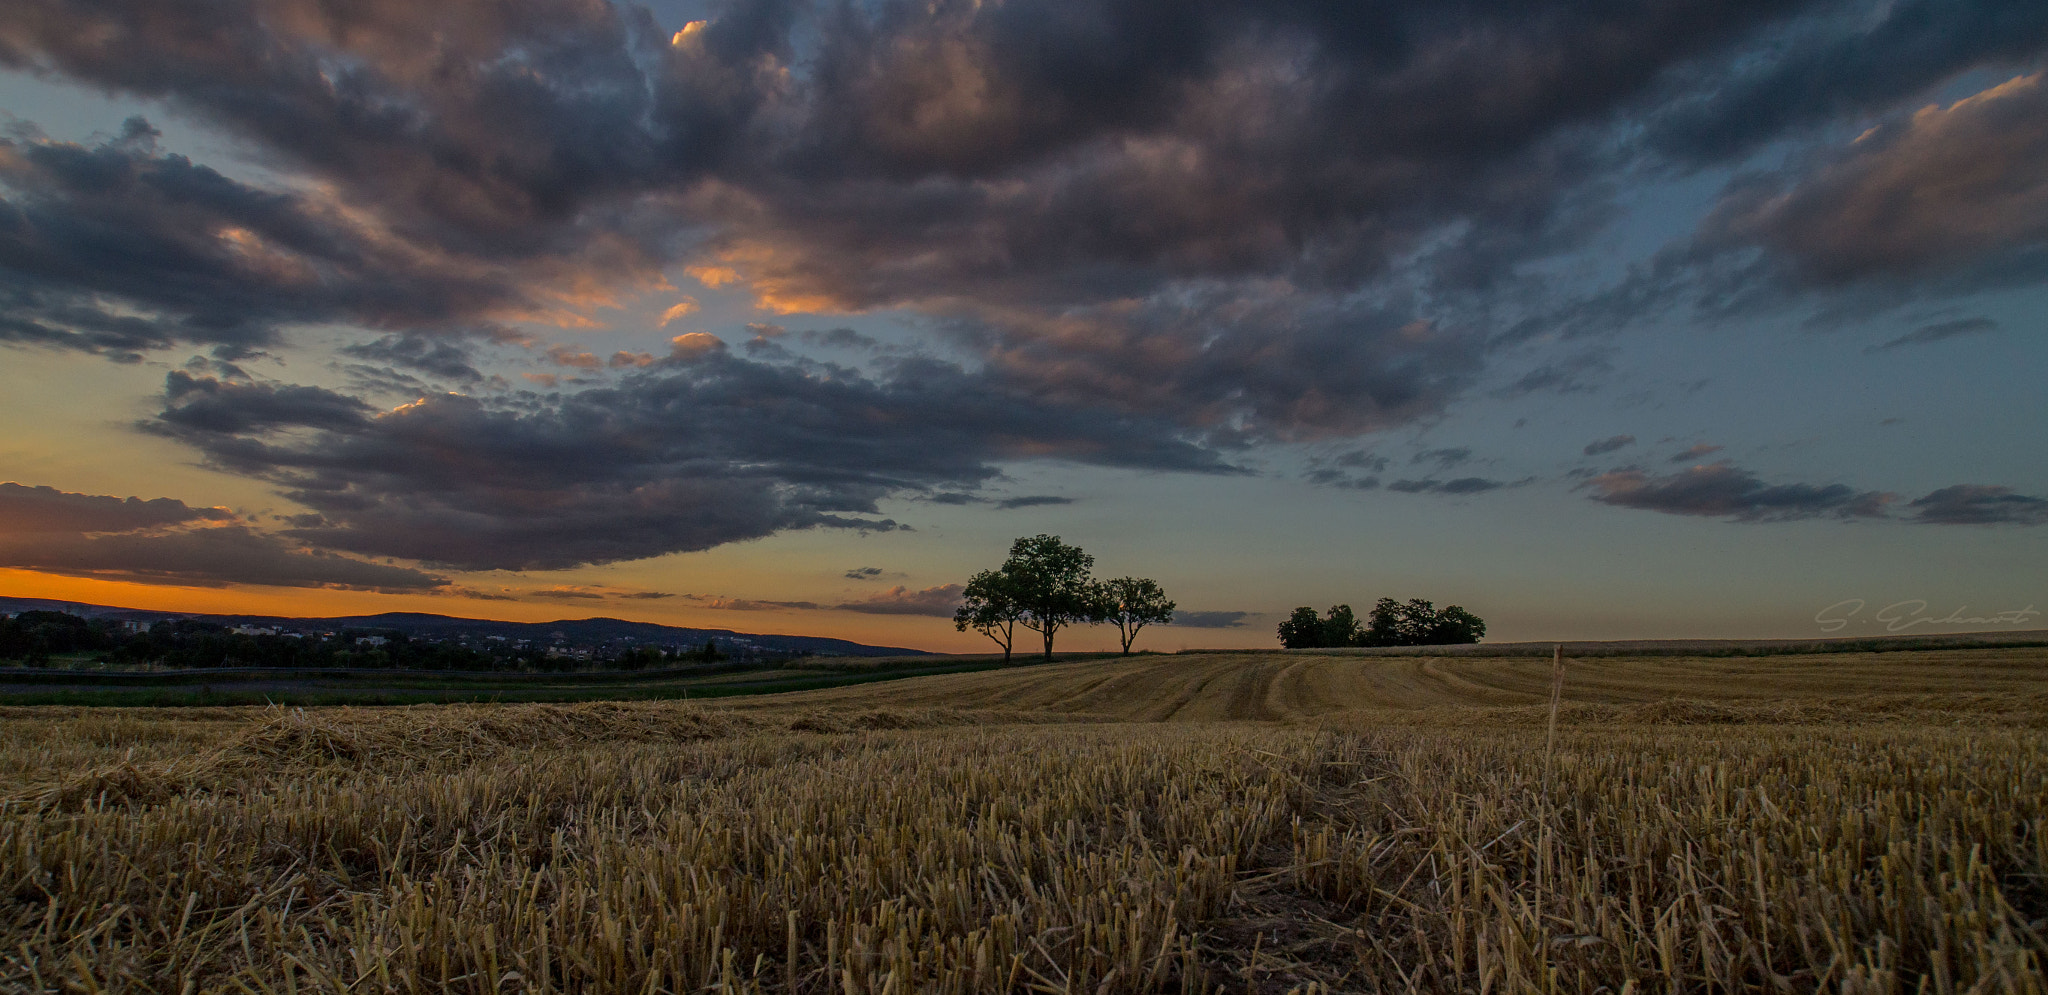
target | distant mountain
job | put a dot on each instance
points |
(574, 632)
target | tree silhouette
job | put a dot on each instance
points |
(1302, 630)
(1340, 627)
(1050, 583)
(989, 605)
(1390, 623)
(1129, 603)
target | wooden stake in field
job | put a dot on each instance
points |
(1556, 695)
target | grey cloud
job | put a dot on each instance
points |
(1359, 459)
(1443, 458)
(1462, 485)
(223, 407)
(723, 603)
(839, 338)
(1956, 193)
(1825, 66)
(1694, 452)
(1938, 331)
(1331, 477)
(1033, 501)
(206, 557)
(40, 509)
(1210, 360)
(864, 573)
(471, 593)
(1209, 620)
(1979, 504)
(439, 358)
(1722, 490)
(1351, 469)
(684, 455)
(937, 602)
(196, 257)
(1151, 228)
(1575, 374)
(1609, 444)
(164, 541)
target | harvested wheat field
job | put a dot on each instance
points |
(1201, 823)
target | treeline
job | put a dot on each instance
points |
(33, 638)
(1390, 623)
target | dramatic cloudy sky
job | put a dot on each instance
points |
(1656, 318)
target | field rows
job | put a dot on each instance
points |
(1298, 687)
(1387, 826)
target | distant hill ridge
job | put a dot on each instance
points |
(582, 631)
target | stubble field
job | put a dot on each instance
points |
(1258, 822)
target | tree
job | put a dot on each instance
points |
(1302, 630)
(1419, 623)
(1456, 625)
(1051, 585)
(1129, 603)
(1383, 624)
(1340, 627)
(989, 605)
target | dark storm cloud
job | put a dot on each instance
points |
(1055, 180)
(685, 455)
(1157, 232)
(25, 509)
(194, 257)
(937, 602)
(1609, 444)
(1209, 620)
(1979, 504)
(1722, 490)
(481, 127)
(156, 542)
(1937, 332)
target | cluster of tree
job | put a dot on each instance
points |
(38, 635)
(34, 637)
(1390, 623)
(1047, 585)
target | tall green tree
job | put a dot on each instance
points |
(1130, 603)
(989, 605)
(1051, 584)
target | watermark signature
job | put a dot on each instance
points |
(1900, 616)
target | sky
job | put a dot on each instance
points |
(1660, 319)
